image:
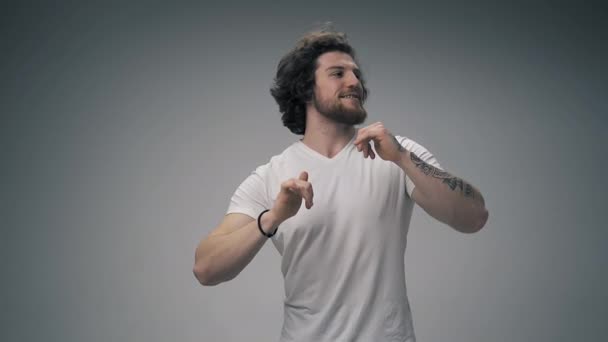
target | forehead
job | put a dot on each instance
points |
(335, 59)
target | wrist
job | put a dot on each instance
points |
(404, 157)
(269, 221)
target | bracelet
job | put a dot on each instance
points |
(260, 225)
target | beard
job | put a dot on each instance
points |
(335, 110)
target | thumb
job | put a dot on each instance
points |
(303, 176)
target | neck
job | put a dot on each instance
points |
(325, 136)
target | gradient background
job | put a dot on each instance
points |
(127, 128)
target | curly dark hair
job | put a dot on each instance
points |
(295, 78)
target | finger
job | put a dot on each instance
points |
(369, 136)
(362, 135)
(304, 189)
(366, 133)
(303, 176)
(309, 197)
(290, 187)
(362, 148)
(371, 152)
(368, 149)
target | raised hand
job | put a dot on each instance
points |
(385, 144)
(289, 199)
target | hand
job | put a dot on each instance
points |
(385, 144)
(289, 199)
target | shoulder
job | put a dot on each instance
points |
(277, 162)
(410, 144)
(419, 150)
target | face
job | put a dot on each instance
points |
(338, 93)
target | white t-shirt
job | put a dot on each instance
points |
(342, 260)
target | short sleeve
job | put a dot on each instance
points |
(422, 153)
(250, 197)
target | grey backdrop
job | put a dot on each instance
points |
(126, 129)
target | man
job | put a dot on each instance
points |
(343, 253)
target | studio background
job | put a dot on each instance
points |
(127, 128)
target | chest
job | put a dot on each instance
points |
(349, 198)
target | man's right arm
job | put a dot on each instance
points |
(225, 252)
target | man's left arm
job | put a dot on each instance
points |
(445, 197)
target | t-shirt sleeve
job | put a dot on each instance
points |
(422, 153)
(250, 197)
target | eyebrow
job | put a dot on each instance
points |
(339, 67)
(355, 69)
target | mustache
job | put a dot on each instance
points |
(355, 91)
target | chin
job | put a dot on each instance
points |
(346, 115)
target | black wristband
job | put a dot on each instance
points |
(260, 225)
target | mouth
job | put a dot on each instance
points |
(352, 96)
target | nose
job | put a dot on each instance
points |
(351, 80)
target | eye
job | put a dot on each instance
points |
(337, 74)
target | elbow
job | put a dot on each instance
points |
(475, 223)
(480, 221)
(203, 274)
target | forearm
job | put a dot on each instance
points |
(220, 258)
(450, 199)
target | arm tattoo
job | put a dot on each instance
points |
(453, 182)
